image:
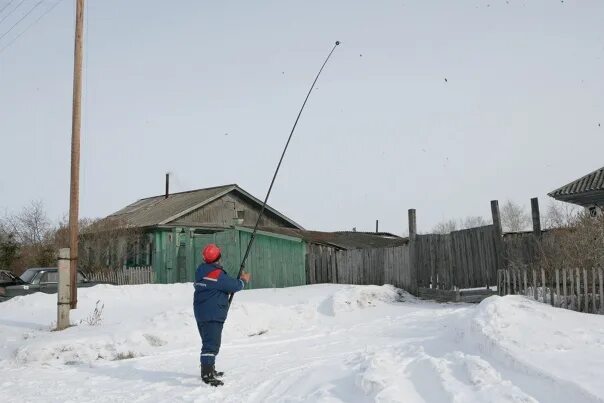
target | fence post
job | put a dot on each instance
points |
(412, 224)
(601, 278)
(508, 282)
(558, 287)
(593, 290)
(586, 305)
(412, 253)
(578, 275)
(551, 289)
(535, 293)
(498, 233)
(536, 217)
(564, 288)
(64, 290)
(524, 278)
(571, 293)
(543, 286)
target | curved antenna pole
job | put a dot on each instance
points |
(270, 188)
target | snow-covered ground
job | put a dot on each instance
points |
(322, 343)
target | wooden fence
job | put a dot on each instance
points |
(579, 290)
(359, 266)
(465, 259)
(468, 296)
(321, 265)
(521, 249)
(461, 259)
(126, 276)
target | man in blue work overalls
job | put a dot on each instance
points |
(211, 305)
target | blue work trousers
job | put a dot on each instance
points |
(211, 335)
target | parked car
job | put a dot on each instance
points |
(7, 278)
(43, 279)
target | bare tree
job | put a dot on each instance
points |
(473, 222)
(9, 252)
(561, 215)
(3, 228)
(9, 249)
(109, 244)
(448, 226)
(514, 218)
(445, 227)
(31, 231)
(579, 245)
(31, 225)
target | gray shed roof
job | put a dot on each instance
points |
(158, 210)
(344, 239)
(588, 189)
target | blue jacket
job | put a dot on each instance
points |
(212, 288)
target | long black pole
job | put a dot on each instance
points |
(270, 188)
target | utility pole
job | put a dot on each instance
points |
(63, 302)
(76, 124)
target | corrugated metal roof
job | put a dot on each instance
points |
(158, 210)
(588, 183)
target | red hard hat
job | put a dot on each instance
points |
(211, 253)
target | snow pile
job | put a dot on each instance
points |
(321, 343)
(135, 321)
(353, 298)
(564, 346)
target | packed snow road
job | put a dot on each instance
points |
(323, 343)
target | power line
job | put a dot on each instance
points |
(11, 11)
(7, 5)
(22, 18)
(48, 10)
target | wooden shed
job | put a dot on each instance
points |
(174, 228)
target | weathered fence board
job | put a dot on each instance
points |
(557, 303)
(360, 266)
(601, 278)
(578, 279)
(564, 289)
(579, 290)
(441, 295)
(461, 259)
(126, 276)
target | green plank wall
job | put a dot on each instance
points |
(274, 261)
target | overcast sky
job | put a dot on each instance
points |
(440, 106)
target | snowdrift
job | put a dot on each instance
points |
(321, 343)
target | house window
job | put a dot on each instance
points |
(241, 214)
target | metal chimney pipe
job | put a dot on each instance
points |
(376, 226)
(167, 185)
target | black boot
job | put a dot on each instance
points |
(208, 376)
(218, 374)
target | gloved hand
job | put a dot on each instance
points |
(245, 276)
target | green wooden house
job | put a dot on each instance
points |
(175, 227)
